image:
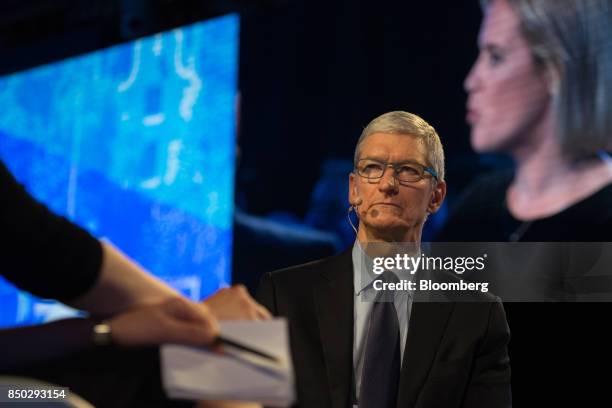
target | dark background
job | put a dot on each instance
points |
(312, 75)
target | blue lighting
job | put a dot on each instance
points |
(136, 144)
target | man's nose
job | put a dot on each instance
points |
(388, 181)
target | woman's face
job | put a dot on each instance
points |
(507, 94)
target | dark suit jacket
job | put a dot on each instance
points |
(455, 354)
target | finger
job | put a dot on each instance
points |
(187, 310)
(193, 313)
(257, 311)
(189, 333)
(262, 312)
(240, 288)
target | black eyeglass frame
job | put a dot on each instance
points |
(396, 167)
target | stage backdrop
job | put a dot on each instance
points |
(136, 144)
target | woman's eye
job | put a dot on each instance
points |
(495, 57)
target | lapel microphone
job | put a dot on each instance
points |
(353, 207)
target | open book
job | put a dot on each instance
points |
(196, 373)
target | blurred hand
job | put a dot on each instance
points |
(177, 320)
(235, 303)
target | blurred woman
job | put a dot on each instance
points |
(541, 92)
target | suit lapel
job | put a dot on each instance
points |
(333, 297)
(427, 324)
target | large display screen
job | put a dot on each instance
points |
(135, 143)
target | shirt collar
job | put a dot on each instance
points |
(363, 275)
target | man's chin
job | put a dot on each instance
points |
(385, 224)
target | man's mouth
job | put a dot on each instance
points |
(386, 204)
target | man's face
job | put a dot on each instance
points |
(386, 208)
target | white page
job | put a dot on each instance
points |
(193, 373)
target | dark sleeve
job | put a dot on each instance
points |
(61, 338)
(489, 384)
(265, 293)
(41, 252)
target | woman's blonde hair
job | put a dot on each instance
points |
(572, 41)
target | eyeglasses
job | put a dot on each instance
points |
(405, 172)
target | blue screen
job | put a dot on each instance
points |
(136, 144)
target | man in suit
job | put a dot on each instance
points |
(348, 351)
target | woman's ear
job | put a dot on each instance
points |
(552, 78)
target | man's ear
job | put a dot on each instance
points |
(437, 197)
(353, 196)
